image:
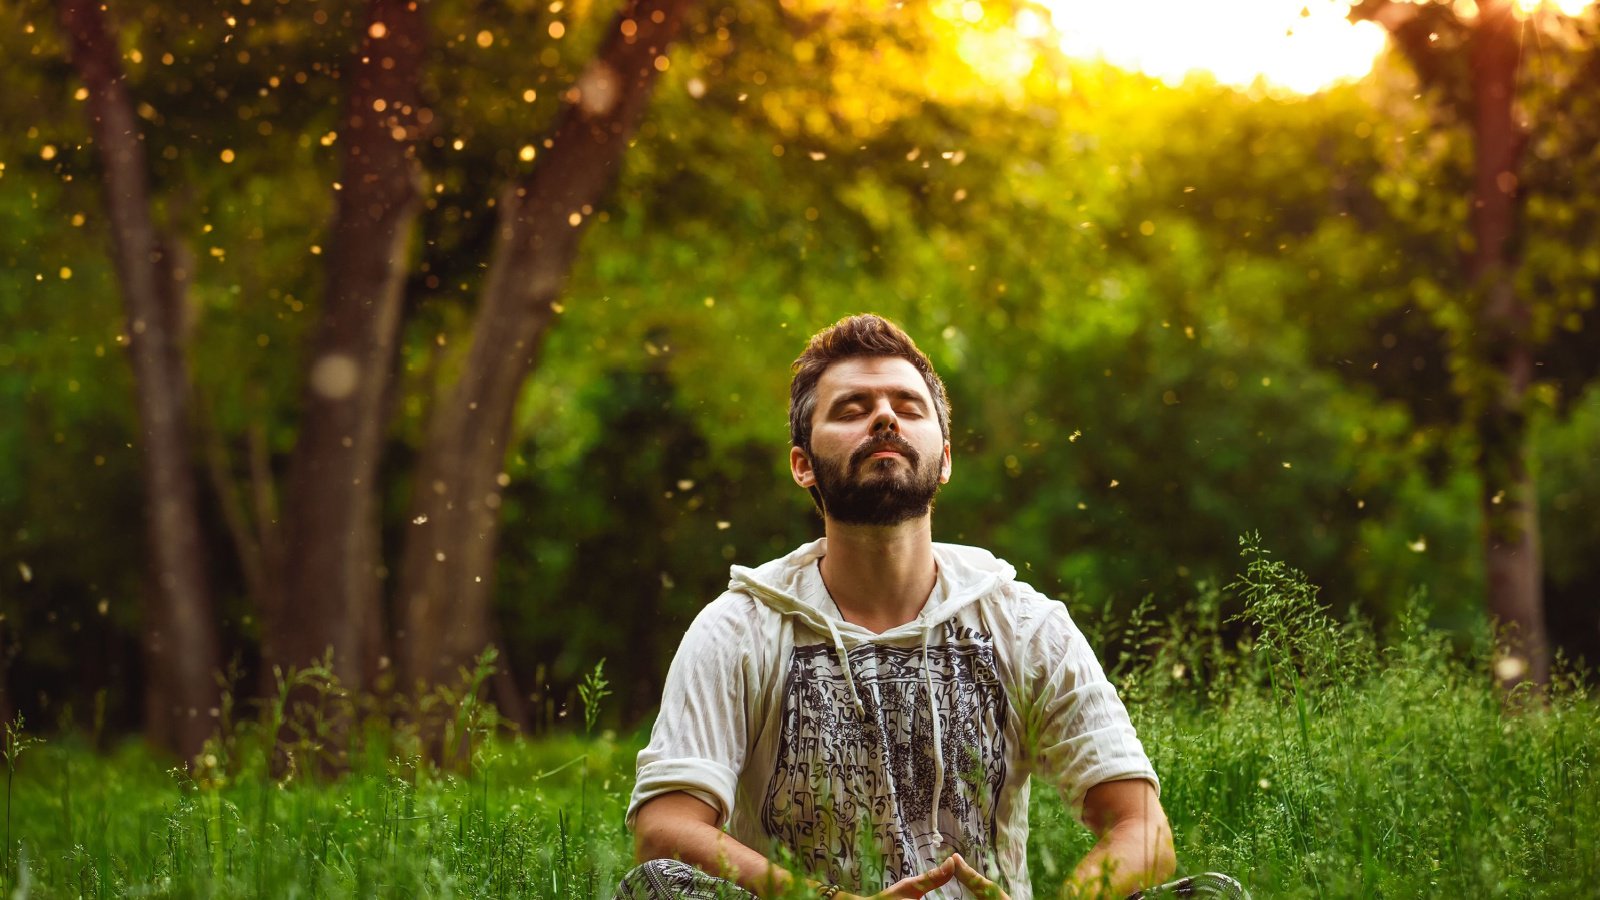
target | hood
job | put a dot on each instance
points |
(784, 585)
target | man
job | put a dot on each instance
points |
(868, 709)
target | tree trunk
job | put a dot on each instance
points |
(254, 531)
(508, 699)
(332, 584)
(1510, 505)
(447, 574)
(180, 643)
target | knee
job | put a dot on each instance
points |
(655, 878)
(658, 867)
(1211, 885)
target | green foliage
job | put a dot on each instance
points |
(593, 689)
(393, 828)
(1292, 628)
(1318, 761)
(17, 740)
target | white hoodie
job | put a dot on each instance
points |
(870, 757)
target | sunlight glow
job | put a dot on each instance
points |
(1298, 45)
(1566, 7)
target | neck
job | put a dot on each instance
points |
(880, 576)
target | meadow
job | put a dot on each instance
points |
(1308, 755)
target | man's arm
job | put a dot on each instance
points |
(679, 826)
(1135, 846)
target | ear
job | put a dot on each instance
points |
(800, 468)
(944, 465)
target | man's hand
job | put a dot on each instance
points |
(919, 885)
(973, 881)
(914, 887)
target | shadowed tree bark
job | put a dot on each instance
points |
(253, 526)
(1482, 90)
(331, 589)
(1510, 499)
(447, 572)
(180, 639)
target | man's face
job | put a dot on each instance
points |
(877, 454)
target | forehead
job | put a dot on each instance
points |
(872, 374)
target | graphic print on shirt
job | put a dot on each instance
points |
(849, 787)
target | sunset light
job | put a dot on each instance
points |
(1301, 47)
(1568, 7)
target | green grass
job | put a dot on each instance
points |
(1309, 758)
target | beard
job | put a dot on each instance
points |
(866, 491)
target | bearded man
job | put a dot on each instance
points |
(867, 711)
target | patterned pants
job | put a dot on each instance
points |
(668, 879)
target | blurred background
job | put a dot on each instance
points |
(409, 330)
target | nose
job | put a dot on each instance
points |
(884, 420)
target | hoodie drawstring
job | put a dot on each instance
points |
(938, 746)
(844, 663)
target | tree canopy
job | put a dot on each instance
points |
(1167, 315)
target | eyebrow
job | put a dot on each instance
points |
(862, 396)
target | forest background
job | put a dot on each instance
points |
(1167, 316)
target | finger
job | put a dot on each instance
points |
(975, 880)
(918, 885)
(936, 876)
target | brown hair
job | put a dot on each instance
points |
(850, 338)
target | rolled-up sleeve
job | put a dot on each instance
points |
(1081, 732)
(698, 744)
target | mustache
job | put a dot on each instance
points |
(889, 441)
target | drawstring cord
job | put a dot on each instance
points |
(938, 748)
(844, 663)
(838, 647)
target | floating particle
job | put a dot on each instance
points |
(334, 376)
(1510, 668)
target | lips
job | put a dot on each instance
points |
(885, 448)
